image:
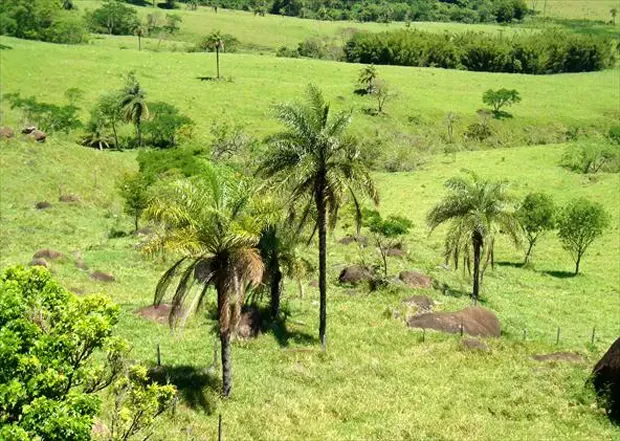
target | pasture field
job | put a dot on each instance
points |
(378, 380)
(576, 9)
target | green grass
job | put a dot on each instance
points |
(423, 96)
(377, 380)
(577, 9)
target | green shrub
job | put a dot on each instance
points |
(592, 157)
(46, 117)
(164, 125)
(114, 18)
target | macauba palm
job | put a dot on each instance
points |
(319, 166)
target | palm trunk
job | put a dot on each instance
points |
(217, 61)
(226, 363)
(276, 284)
(322, 228)
(115, 136)
(139, 132)
(477, 244)
(139, 43)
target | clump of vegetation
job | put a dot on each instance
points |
(536, 215)
(592, 157)
(366, 80)
(164, 124)
(45, 116)
(134, 189)
(387, 232)
(113, 18)
(58, 351)
(133, 103)
(579, 224)
(500, 98)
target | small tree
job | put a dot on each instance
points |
(133, 102)
(580, 223)
(164, 124)
(109, 112)
(73, 95)
(215, 41)
(134, 189)
(614, 13)
(535, 215)
(140, 31)
(381, 92)
(386, 232)
(451, 119)
(500, 98)
(591, 157)
(366, 80)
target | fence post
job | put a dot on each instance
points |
(593, 335)
(158, 355)
(219, 429)
(557, 338)
(423, 334)
(461, 329)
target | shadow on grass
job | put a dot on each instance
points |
(560, 274)
(447, 290)
(198, 388)
(510, 264)
(4, 46)
(285, 336)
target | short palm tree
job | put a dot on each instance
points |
(133, 102)
(215, 41)
(476, 210)
(96, 135)
(319, 166)
(140, 31)
(209, 222)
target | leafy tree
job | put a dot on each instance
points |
(476, 209)
(381, 93)
(579, 224)
(134, 189)
(386, 232)
(108, 112)
(500, 98)
(210, 222)
(164, 124)
(73, 95)
(115, 18)
(172, 24)
(321, 166)
(591, 157)
(536, 215)
(215, 41)
(46, 117)
(134, 105)
(366, 81)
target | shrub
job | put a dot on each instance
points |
(500, 98)
(46, 117)
(183, 161)
(592, 157)
(134, 189)
(614, 134)
(164, 124)
(536, 215)
(114, 18)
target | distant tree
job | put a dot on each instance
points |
(500, 98)
(210, 223)
(614, 13)
(46, 117)
(115, 18)
(451, 119)
(108, 111)
(591, 157)
(386, 232)
(164, 124)
(381, 92)
(215, 41)
(73, 95)
(320, 165)
(96, 135)
(367, 78)
(579, 224)
(172, 24)
(192, 5)
(153, 23)
(134, 189)
(140, 31)
(134, 105)
(68, 5)
(536, 214)
(476, 209)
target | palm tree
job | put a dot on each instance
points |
(134, 105)
(320, 166)
(215, 41)
(476, 210)
(208, 222)
(95, 135)
(140, 32)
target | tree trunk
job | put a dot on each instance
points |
(139, 43)
(115, 136)
(276, 284)
(217, 60)
(477, 244)
(136, 218)
(226, 363)
(577, 262)
(528, 254)
(322, 229)
(139, 132)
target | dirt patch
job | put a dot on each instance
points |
(42, 205)
(414, 279)
(314, 283)
(46, 253)
(475, 321)
(473, 344)
(250, 323)
(569, 357)
(102, 277)
(395, 252)
(158, 314)
(421, 303)
(347, 240)
(80, 264)
(606, 380)
(355, 274)
(78, 291)
(69, 198)
(146, 231)
(39, 261)
(6, 132)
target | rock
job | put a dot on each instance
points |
(46, 253)
(39, 262)
(6, 132)
(606, 380)
(42, 205)
(473, 344)
(355, 274)
(395, 252)
(421, 303)
(146, 231)
(347, 240)
(476, 321)
(102, 277)
(28, 130)
(249, 323)
(414, 279)
(69, 198)
(314, 283)
(38, 135)
(570, 357)
(158, 314)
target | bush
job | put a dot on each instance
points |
(536, 215)
(114, 18)
(592, 157)
(544, 53)
(46, 117)
(183, 161)
(164, 124)
(500, 98)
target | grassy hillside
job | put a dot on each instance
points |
(378, 380)
(423, 97)
(577, 9)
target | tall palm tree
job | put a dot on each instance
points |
(476, 209)
(320, 166)
(140, 31)
(215, 41)
(209, 222)
(133, 102)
